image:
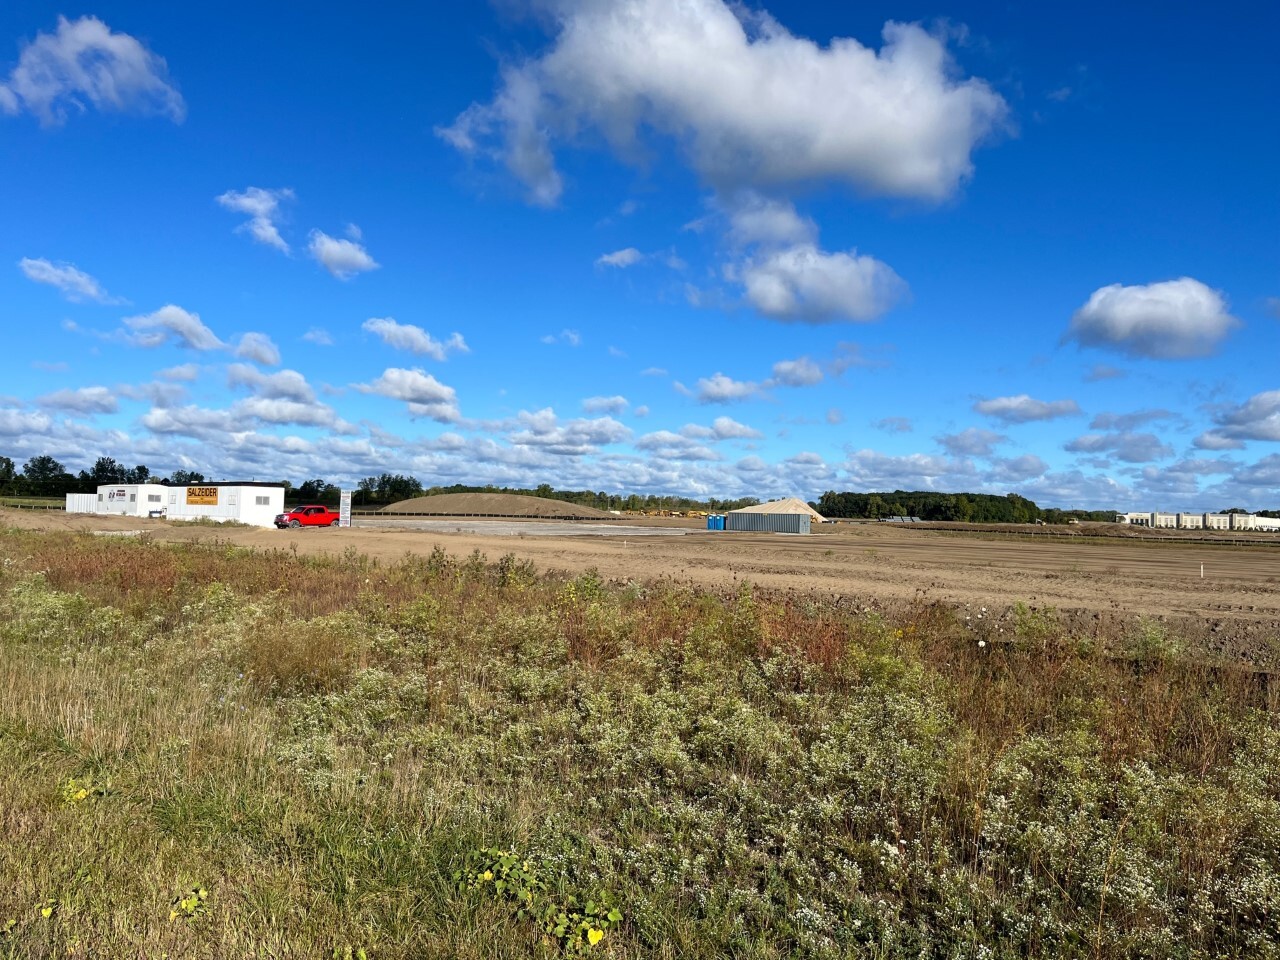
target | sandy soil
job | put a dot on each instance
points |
(1096, 584)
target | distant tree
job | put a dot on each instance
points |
(139, 474)
(105, 470)
(43, 476)
(7, 472)
(311, 489)
(182, 478)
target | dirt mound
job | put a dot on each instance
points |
(494, 505)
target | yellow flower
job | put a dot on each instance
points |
(594, 936)
(487, 875)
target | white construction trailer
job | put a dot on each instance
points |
(245, 502)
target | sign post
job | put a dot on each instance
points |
(344, 509)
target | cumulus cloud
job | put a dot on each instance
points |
(1258, 418)
(835, 416)
(1175, 319)
(259, 348)
(75, 285)
(804, 283)
(973, 442)
(801, 372)
(722, 389)
(626, 257)
(85, 400)
(1126, 446)
(1024, 409)
(873, 470)
(542, 430)
(425, 395)
(342, 258)
(756, 219)
(726, 428)
(614, 404)
(85, 64)
(1017, 469)
(281, 385)
(183, 372)
(406, 336)
(318, 336)
(749, 102)
(168, 323)
(263, 209)
(674, 446)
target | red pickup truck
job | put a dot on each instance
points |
(309, 515)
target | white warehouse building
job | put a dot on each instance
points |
(245, 502)
(1201, 521)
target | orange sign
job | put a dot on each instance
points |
(203, 496)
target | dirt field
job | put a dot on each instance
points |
(1097, 585)
(494, 505)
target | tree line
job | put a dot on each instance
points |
(44, 476)
(957, 507)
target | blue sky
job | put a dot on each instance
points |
(650, 246)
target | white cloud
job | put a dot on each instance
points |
(1213, 440)
(1175, 319)
(835, 416)
(726, 428)
(614, 404)
(666, 445)
(626, 257)
(278, 410)
(406, 336)
(183, 372)
(973, 442)
(259, 348)
(281, 385)
(640, 411)
(1126, 446)
(801, 372)
(17, 423)
(1024, 409)
(318, 336)
(425, 395)
(756, 219)
(85, 400)
(653, 372)
(172, 322)
(342, 258)
(571, 337)
(574, 438)
(76, 285)
(1258, 418)
(805, 283)
(84, 64)
(750, 102)
(722, 389)
(1017, 469)
(263, 208)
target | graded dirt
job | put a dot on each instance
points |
(494, 505)
(1097, 585)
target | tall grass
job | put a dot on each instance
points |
(211, 752)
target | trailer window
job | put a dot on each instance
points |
(262, 501)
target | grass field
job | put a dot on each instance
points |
(207, 751)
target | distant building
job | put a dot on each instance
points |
(1201, 521)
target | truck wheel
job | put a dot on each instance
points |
(336, 522)
(295, 523)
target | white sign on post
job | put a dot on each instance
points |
(344, 509)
